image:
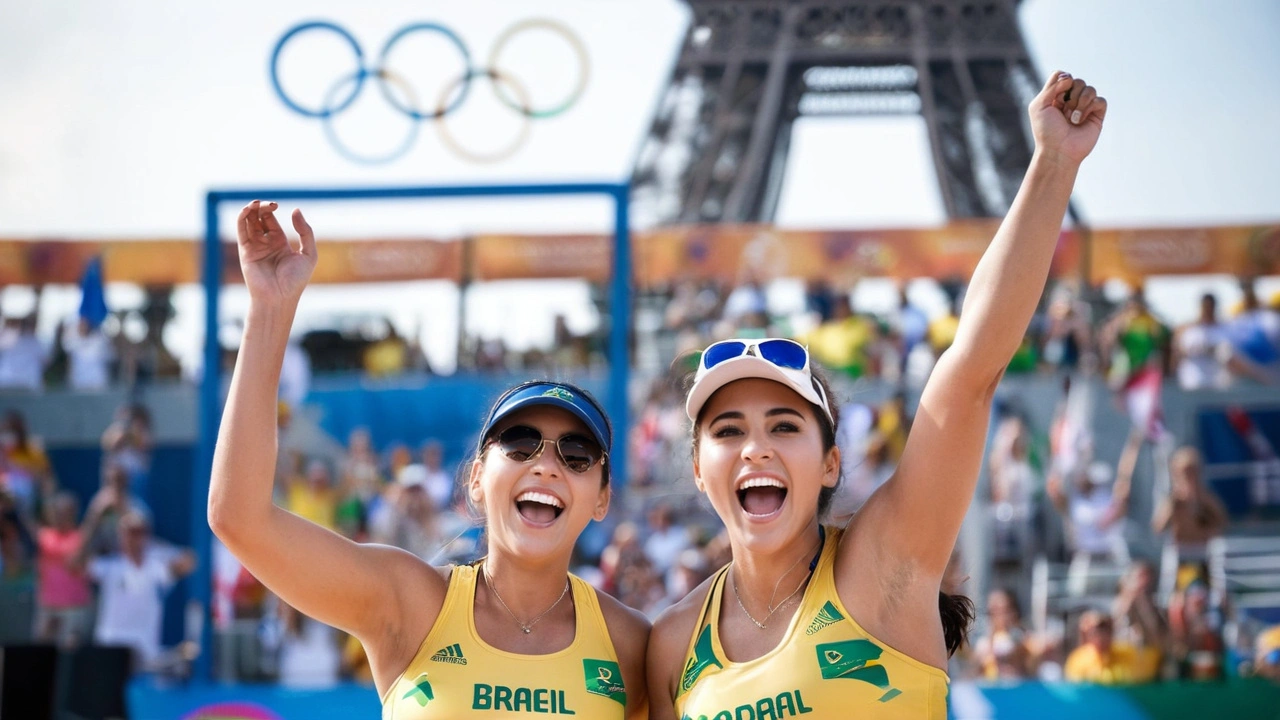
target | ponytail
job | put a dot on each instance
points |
(957, 615)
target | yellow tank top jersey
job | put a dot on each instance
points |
(826, 666)
(458, 675)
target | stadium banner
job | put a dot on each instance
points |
(967, 701)
(728, 253)
(1136, 253)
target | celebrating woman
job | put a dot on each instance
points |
(853, 622)
(514, 632)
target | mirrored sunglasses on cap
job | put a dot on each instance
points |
(789, 356)
(524, 444)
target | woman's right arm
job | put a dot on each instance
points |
(376, 593)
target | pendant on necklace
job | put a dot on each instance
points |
(526, 630)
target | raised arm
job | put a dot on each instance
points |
(366, 590)
(923, 505)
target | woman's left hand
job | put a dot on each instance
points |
(1066, 117)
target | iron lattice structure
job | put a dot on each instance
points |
(717, 147)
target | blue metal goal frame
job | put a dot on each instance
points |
(211, 383)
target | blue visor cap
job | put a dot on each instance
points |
(565, 397)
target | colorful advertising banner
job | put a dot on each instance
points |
(728, 253)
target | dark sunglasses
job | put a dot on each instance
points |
(779, 351)
(524, 444)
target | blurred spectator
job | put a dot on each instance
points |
(1198, 349)
(1266, 658)
(747, 306)
(407, 519)
(1134, 339)
(27, 473)
(1255, 337)
(89, 355)
(22, 355)
(1139, 620)
(843, 344)
(909, 324)
(1005, 651)
(313, 496)
(355, 662)
(16, 545)
(623, 551)
(360, 475)
(1014, 482)
(388, 356)
(1067, 337)
(893, 423)
(665, 540)
(1094, 510)
(1100, 659)
(127, 442)
(942, 331)
(439, 480)
(1195, 631)
(1192, 514)
(132, 584)
(63, 594)
(309, 654)
(114, 499)
(295, 374)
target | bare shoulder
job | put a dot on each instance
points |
(628, 627)
(674, 627)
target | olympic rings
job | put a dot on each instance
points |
(347, 88)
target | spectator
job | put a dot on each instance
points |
(63, 594)
(295, 374)
(942, 331)
(407, 519)
(1195, 633)
(843, 344)
(1198, 349)
(910, 325)
(1192, 514)
(1266, 658)
(309, 653)
(360, 476)
(388, 356)
(1094, 510)
(132, 584)
(1067, 335)
(439, 480)
(22, 355)
(1005, 652)
(312, 496)
(1139, 620)
(1014, 482)
(89, 353)
(1100, 659)
(27, 473)
(112, 501)
(127, 442)
(1134, 339)
(1255, 338)
(863, 476)
(665, 540)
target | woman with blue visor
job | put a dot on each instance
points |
(512, 635)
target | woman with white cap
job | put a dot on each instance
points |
(514, 632)
(853, 622)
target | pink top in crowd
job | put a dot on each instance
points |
(60, 587)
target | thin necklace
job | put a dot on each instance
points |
(773, 609)
(526, 627)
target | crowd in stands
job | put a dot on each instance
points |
(99, 575)
(1118, 616)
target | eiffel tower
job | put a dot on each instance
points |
(717, 148)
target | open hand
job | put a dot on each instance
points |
(1066, 117)
(274, 271)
